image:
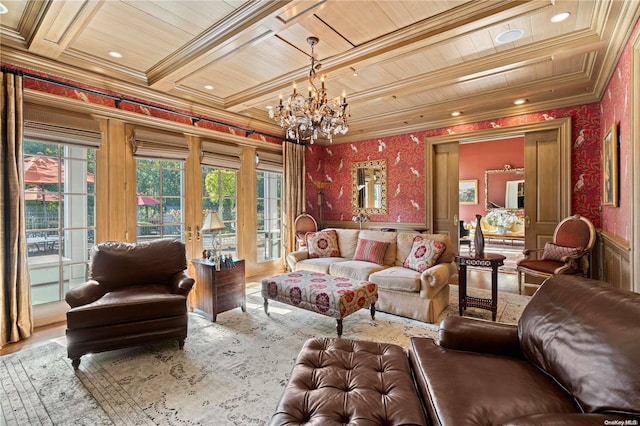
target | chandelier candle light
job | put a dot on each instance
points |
(213, 224)
(305, 119)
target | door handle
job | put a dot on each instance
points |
(527, 221)
(455, 219)
(198, 233)
(188, 234)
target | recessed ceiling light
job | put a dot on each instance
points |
(115, 54)
(519, 101)
(208, 87)
(3, 9)
(269, 107)
(560, 17)
(355, 73)
(509, 35)
(456, 113)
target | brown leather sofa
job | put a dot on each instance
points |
(136, 293)
(573, 359)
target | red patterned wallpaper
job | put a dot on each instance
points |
(616, 108)
(96, 95)
(405, 163)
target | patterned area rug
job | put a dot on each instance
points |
(231, 372)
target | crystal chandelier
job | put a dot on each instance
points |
(307, 118)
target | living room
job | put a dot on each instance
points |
(423, 149)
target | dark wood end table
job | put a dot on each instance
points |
(493, 261)
(219, 291)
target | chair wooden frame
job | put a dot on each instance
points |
(568, 263)
(304, 223)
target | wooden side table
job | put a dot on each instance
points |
(493, 261)
(219, 291)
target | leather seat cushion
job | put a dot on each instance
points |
(128, 304)
(547, 266)
(397, 278)
(341, 381)
(466, 388)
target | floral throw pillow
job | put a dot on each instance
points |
(323, 244)
(556, 252)
(371, 251)
(424, 254)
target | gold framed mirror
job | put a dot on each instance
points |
(369, 187)
(504, 188)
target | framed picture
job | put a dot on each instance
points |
(610, 167)
(468, 191)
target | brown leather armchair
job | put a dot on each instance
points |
(136, 293)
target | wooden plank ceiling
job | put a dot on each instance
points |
(416, 61)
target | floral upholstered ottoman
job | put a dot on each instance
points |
(335, 297)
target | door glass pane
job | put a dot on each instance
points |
(159, 199)
(269, 215)
(59, 191)
(219, 195)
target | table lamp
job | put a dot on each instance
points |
(213, 224)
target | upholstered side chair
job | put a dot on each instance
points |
(568, 254)
(304, 223)
(136, 294)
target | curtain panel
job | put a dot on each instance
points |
(16, 319)
(294, 191)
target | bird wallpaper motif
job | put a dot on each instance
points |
(405, 166)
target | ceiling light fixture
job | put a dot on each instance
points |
(305, 119)
(115, 54)
(355, 73)
(456, 113)
(509, 36)
(560, 17)
(3, 9)
(208, 87)
(519, 101)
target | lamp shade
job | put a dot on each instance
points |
(213, 223)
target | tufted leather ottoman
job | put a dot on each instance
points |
(340, 381)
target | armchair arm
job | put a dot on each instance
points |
(181, 283)
(475, 335)
(85, 293)
(295, 257)
(527, 252)
(570, 419)
(434, 278)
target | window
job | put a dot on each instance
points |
(219, 188)
(59, 190)
(160, 199)
(269, 217)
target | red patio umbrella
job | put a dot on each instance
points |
(145, 200)
(39, 169)
(40, 194)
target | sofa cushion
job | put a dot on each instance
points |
(323, 244)
(397, 278)
(347, 241)
(355, 269)
(580, 332)
(389, 237)
(405, 244)
(370, 251)
(128, 304)
(470, 388)
(424, 254)
(318, 264)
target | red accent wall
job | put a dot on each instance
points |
(405, 164)
(615, 107)
(475, 158)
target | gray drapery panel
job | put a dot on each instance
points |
(294, 191)
(16, 319)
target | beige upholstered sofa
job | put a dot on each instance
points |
(401, 291)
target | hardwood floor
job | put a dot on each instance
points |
(507, 283)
